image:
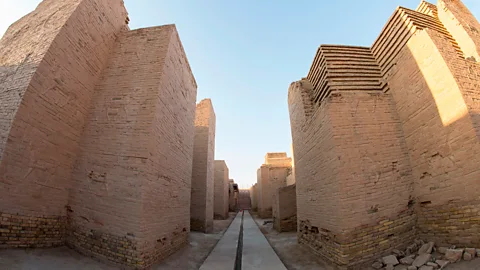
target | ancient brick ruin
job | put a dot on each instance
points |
(221, 188)
(96, 133)
(386, 138)
(271, 176)
(203, 172)
(244, 201)
(285, 209)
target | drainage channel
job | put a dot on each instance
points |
(238, 258)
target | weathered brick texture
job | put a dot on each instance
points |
(50, 61)
(285, 209)
(270, 178)
(201, 208)
(18, 231)
(463, 26)
(398, 159)
(244, 201)
(439, 131)
(221, 190)
(130, 200)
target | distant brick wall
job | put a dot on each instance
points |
(231, 197)
(130, 201)
(285, 209)
(271, 178)
(254, 197)
(201, 209)
(221, 190)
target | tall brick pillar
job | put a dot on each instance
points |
(201, 207)
(50, 61)
(221, 190)
(130, 202)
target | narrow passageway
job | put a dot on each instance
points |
(254, 250)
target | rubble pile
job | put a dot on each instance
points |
(425, 256)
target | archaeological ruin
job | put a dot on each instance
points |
(96, 134)
(105, 151)
(203, 172)
(386, 138)
(221, 187)
(271, 176)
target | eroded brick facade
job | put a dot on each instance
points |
(386, 138)
(271, 176)
(96, 133)
(201, 209)
(220, 199)
(285, 209)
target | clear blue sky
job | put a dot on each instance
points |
(244, 55)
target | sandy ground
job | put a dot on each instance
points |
(293, 256)
(296, 257)
(190, 257)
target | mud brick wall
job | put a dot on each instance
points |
(462, 25)
(133, 177)
(254, 197)
(51, 60)
(244, 201)
(357, 172)
(356, 248)
(221, 190)
(450, 224)
(271, 178)
(17, 231)
(285, 209)
(440, 133)
(278, 159)
(201, 207)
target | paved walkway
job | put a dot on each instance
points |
(223, 255)
(255, 254)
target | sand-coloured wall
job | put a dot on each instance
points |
(132, 179)
(254, 197)
(285, 209)
(344, 183)
(385, 138)
(220, 200)
(270, 178)
(50, 61)
(201, 210)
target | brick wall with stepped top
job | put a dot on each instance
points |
(386, 139)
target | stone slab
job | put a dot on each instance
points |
(257, 252)
(224, 253)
